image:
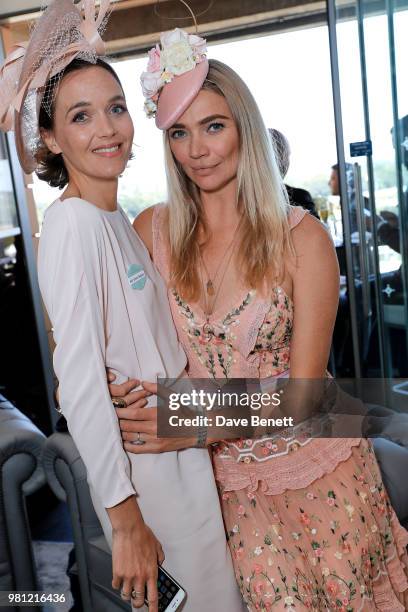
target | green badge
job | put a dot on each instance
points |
(136, 276)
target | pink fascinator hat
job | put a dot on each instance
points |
(62, 34)
(176, 71)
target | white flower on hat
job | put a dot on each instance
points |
(177, 54)
(173, 36)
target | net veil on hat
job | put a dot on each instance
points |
(61, 35)
(176, 71)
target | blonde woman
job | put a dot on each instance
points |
(253, 289)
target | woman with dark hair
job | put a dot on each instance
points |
(108, 307)
(50, 165)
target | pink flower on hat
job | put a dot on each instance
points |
(151, 83)
(199, 46)
(154, 59)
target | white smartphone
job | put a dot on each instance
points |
(171, 594)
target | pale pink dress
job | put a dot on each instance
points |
(309, 524)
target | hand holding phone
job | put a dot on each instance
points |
(171, 594)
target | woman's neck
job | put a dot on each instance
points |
(103, 194)
(220, 208)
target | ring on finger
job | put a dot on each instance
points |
(138, 441)
(119, 402)
(124, 595)
(135, 594)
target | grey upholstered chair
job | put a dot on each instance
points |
(21, 474)
(391, 450)
(66, 476)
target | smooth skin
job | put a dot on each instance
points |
(90, 116)
(205, 142)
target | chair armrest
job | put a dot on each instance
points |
(20, 436)
(393, 462)
(21, 474)
(60, 446)
(66, 475)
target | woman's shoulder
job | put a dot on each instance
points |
(148, 223)
(295, 215)
(72, 209)
(312, 243)
(57, 237)
(304, 225)
(55, 219)
(73, 221)
(149, 216)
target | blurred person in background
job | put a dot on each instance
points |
(297, 196)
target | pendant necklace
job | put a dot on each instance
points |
(209, 285)
(209, 289)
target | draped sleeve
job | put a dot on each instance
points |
(70, 277)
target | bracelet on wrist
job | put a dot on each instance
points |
(202, 433)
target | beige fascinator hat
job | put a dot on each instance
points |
(62, 34)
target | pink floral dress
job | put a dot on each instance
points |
(309, 523)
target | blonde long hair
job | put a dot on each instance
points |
(261, 196)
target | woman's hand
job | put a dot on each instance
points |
(135, 555)
(139, 424)
(136, 399)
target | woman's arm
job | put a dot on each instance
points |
(72, 304)
(135, 554)
(315, 278)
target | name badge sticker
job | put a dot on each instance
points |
(136, 276)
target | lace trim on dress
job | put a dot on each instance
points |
(295, 470)
(296, 214)
(248, 342)
(394, 576)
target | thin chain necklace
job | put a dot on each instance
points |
(207, 328)
(209, 285)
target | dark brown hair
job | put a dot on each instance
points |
(51, 167)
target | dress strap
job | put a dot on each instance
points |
(295, 216)
(160, 246)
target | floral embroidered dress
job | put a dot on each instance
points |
(309, 524)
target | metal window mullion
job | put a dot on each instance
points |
(344, 200)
